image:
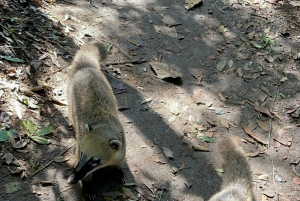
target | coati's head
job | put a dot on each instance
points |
(97, 151)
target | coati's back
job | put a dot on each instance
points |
(93, 112)
(237, 180)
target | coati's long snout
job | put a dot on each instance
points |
(110, 154)
(93, 112)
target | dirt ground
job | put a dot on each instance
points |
(237, 67)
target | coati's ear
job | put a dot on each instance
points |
(88, 128)
(115, 144)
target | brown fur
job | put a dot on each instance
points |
(237, 180)
(92, 102)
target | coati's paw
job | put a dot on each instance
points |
(89, 191)
(88, 178)
(90, 196)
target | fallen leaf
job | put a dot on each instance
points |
(206, 138)
(221, 65)
(239, 72)
(239, 24)
(266, 90)
(249, 132)
(263, 177)
(264, 111)
(21, 144)
(254, 44)
(9, 58)
(222, 29)
(252, 154)
(251, 35)
(284, 79)
(230, 63)
(182, 166)
(262, 125)
(163, 71)
(191, 3)
(219, 170)
(174, 169)
(134, 42)
(60, 159)
(224, 123)
(157, 160)
(200, 148)
(168, 153)
(221, 96)
(146, 100)
(196, 94)
(8, 158)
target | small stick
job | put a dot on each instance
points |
(52, 160)
(124, 62)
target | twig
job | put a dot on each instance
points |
(65, 190)
(52, 160)
(124, 62)
(22, 166)
(59, 70)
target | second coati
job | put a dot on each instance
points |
(93, 112)
(237, 180)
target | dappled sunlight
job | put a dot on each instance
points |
(229, 75)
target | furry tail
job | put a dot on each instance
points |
(89, 57)
(235, 165)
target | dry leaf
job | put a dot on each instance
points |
(239, 72)
(264, 111)
(157, 160)
(221, 29)
(60, 159)
(253, 154)
(168, 153)
(249, 132)
(251, 35)
(182, 166)
(296, 180)
(263, 177)
(224, 123)
(262, 125)
(230, 63)
(8, 158)
(21, 144)
(239, 24)
(221, 96)
(221, 65)
(191, 3)
(200, 148)
(266, 90)
(163, 71)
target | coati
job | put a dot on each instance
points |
(237, 180)
(93, 112)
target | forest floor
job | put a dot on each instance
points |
(182, 78)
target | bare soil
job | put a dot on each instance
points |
(239, 62)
